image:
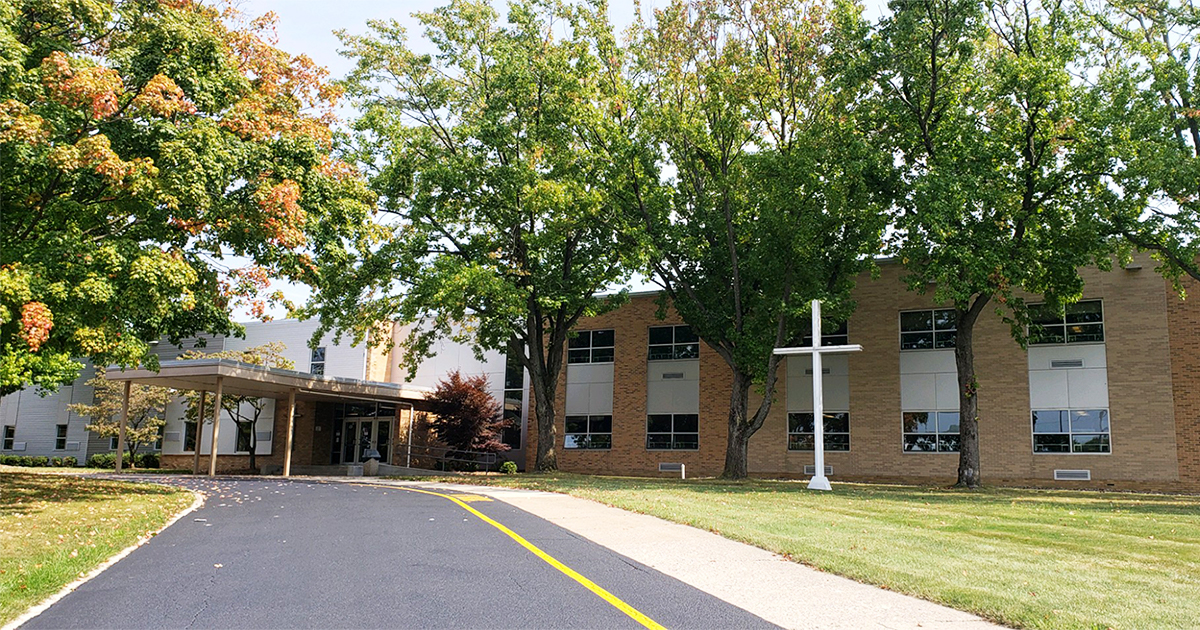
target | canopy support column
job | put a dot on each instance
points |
(121, 428)
(199, 434)
(291, 428)
(212, 449)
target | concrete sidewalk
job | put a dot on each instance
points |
(783, 592)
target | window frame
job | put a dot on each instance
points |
(591, 347)
(1070, 433)
(588, 419)
(826, 433)
(1066, 326)
(840, 336)
(673, 432)
(937, 434)
(313, 362)
(60, 437)
(675, 344)
(10, 437)
(194, 426)
(933, 329)
(237, 436)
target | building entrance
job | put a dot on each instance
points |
(360, 436)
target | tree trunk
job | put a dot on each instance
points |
(740, 429)
(968, 395)
(543, 394)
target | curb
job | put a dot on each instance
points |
(41, 607)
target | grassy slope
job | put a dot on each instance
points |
(1037, 559)
(54, 528)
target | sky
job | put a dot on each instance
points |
(308, 26)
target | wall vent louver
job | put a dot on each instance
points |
(171, 436)
(72, 446)
(670, 375)
(264, 436)
(1072, 475)
(1066, 363)
(811, 469)
(823, 371)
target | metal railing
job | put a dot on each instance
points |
(432, 457)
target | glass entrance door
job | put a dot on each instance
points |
(359, 436)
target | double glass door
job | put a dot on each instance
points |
(361, 436)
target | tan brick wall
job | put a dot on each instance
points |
(1143, 405)
(1183, 319)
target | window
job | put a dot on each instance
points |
(112, 444)
(189, 436)
(10, 434)
(673, 432)
(590, 432)
(1071, 431)
(832, 334)
(931, 431)
(159, 439)
(316, 363)
(60, 437)
(591, 346)
(836, 431)
(673, 342)
(514, 400)
(1082, 322)
(927, 330)
(244, 429)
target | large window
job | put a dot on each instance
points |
(60, 437)
(1071, 431)
(316, 363)
(10, 434)
(836, 431)
(673, 342)
(1082, 322)
(244, 431)
(189, 436)
(591, 346)
(928, 330)
(673, 432)
(832, 334)
(588, 432)
(514, 400)
(931, 431)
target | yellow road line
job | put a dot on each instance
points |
(615, 601)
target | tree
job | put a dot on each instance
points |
(143, 144)
(780, 192)
(244, 411)
(466, 416)
(1147, 57)
(487, 154)
(147, 405)
(1005, 165)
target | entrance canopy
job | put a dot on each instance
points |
(244, 379)
(228, 377)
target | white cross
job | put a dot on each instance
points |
(819, 480)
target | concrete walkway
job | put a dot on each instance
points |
(778, 590)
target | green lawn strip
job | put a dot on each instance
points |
(56, 528)
(1029, 558)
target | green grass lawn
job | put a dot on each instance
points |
(56, 528)
(1028, 558)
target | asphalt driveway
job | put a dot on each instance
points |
(296, 554)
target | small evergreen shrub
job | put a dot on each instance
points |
(56, 462)
(70, 461)
(508, 468)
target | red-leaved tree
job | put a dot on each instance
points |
(467, 417)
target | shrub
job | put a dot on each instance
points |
(148, 460)
(70, 461)
(10, 460)
(509, 468)
(26, 461)
(56, 462)
(102, 460)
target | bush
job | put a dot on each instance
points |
(70, 461)
(10, 460)
(102, 460)
(509, 468)
(148, 460)
(26, 461)
(56, 462)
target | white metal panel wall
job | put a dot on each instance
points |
(340, 359)
(36, 417)
(589, 389)
(1068, 387)
(666, 393)
(836, 383)
(447, 357)
(928, 380)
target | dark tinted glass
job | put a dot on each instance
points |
(837, 441)
(800, 423)
(1040, 333)
(918, 422)
(837, 422)
(658, 440)
(1084, 312)
(601, 424)
(602, 355)
(661, 334)
(920, 443)
(916, 341)
(658, 353)
(582, 339)
(944, 339)
(1089, 421)
(576, 424)
(687, 351)
(947, 422)
(1050, 422)
(687, 423)
(1052, 443)
(684, 333)
(658, 423)
(1085, 333)
(579, 356)
(916, 320)
(948, 443)
(800, 442)
(945, 318)
(318, 354)
(1044, 314)
(602, 338)
(1084, 443)
(686, 441)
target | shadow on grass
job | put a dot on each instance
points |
(22, 493)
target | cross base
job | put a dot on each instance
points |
(819, 482)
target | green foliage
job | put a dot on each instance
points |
(142, 143)
(781, 188)
(147, 405)
(492, 158)
(40, 460)
(70, 461)
(508, 467)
